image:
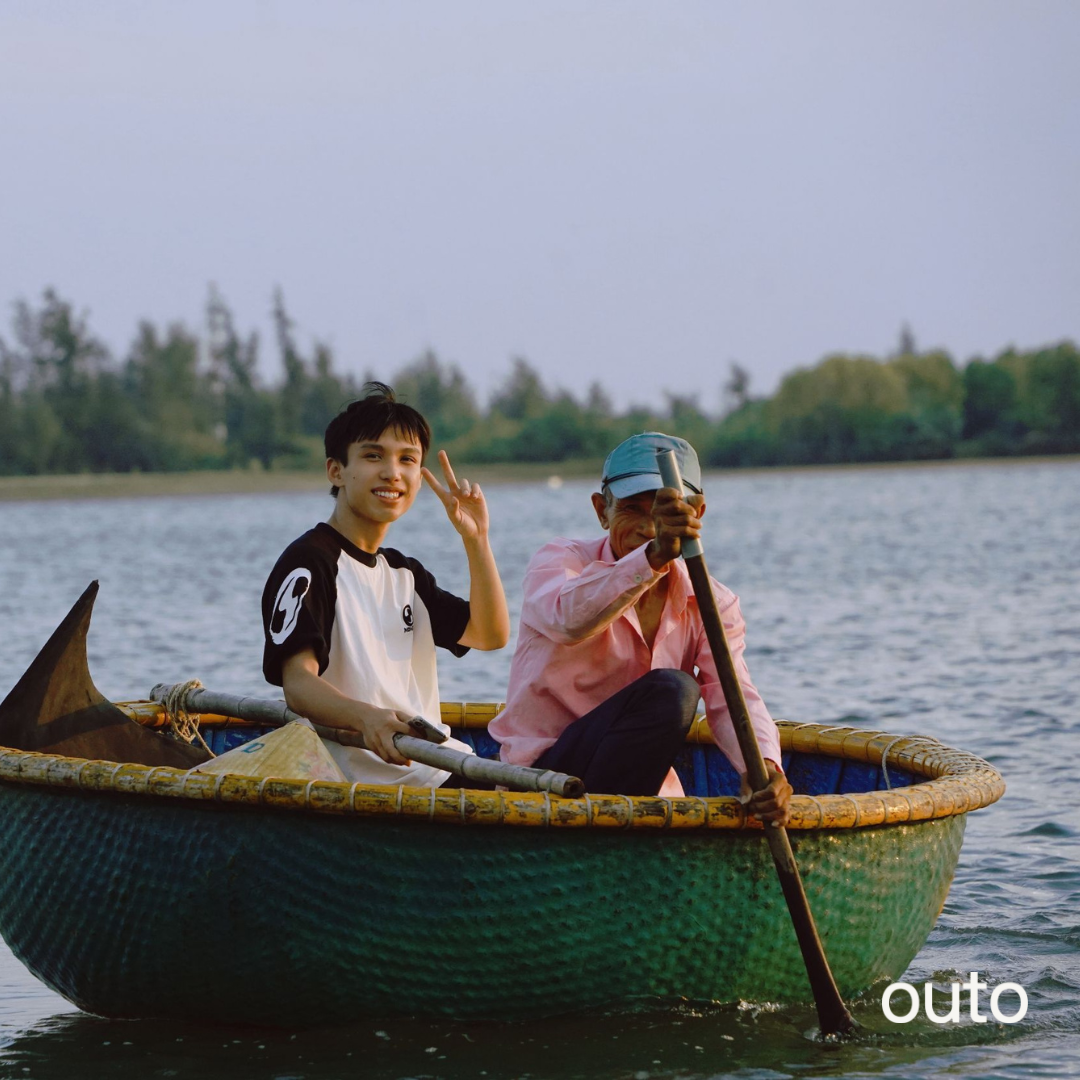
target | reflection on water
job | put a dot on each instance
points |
(686, 1041)
(935, 601)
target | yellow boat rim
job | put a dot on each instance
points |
(956, 782)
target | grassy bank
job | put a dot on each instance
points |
(245, 481)
(252, 481)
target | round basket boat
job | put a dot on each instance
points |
(151, 892)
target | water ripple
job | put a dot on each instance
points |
(889, 599)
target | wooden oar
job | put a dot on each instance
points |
(423, 749)
(832, 1012)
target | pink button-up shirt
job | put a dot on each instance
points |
(580, 642)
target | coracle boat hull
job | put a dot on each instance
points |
(132, 907)
(136, 888)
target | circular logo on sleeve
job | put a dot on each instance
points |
(287, 605)
(407, 617)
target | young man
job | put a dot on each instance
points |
(350, 626)
(612, 655)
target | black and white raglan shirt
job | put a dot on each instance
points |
(373, 622)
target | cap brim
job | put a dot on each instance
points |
(635, 485)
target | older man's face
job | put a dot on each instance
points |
(629, 521)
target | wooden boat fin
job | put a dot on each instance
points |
(56, 708)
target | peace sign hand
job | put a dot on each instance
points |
(464, 503)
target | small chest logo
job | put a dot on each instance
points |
(406, 618)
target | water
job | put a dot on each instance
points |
(940, 601)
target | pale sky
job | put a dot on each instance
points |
(636, 193)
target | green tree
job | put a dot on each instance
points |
(1051, 405)
(598, 403)
(250, 415)
(556, 434)
(845, 409)
(297, 381)
(117, 438)
(935, 392)
(736, 389)
(905, 344)
(10, 418)
(57, 359)
(326, 393)
(441, 393)
(989, 404)
(686, 420)
(175, 403)
(743, 438)
(522, 396)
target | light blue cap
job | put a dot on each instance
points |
(631, 467)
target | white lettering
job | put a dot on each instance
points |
(999, 1016)
(974, 985)
(953, 1015)
(886, 1008)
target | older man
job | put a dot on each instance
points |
(612, 657)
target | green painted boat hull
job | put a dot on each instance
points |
(136, 907)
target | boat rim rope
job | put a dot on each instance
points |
(182, 723)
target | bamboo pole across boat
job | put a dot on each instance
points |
(833, 1014)
(424, 750)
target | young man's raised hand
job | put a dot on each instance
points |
(464, 503)
(466, 507)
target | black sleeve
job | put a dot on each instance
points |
(298, 606)
(449, 613)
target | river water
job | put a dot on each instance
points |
(941, 601)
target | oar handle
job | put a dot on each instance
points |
(424, 749)
(832, 1012)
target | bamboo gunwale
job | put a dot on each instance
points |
(956, 783)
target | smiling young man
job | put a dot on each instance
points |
(350, 626)
(612, 655)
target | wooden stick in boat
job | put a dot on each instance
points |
(833, 1014)
(425, 749)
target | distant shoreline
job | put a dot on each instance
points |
(252, 481)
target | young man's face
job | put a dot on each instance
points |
(381, 477)
(629, 521)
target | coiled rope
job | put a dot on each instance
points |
(182, 724)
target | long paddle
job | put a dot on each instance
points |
(424, 749)
(832, 1012)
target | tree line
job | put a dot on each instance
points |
(179, 400)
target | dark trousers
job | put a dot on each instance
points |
(627, 744)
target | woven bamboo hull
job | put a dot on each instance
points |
(131, 906)
(136, 888)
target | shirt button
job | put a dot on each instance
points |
(637, 579)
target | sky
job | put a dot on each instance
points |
(632, 193)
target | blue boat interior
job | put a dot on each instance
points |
(702, 768)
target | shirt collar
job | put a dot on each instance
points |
(347, 545)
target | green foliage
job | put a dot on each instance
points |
(1051, 407)
(441, 394)
(522, 396)
(56, 362)
(990, 422)
(180, 400)
(845, 409)
(742, 439)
